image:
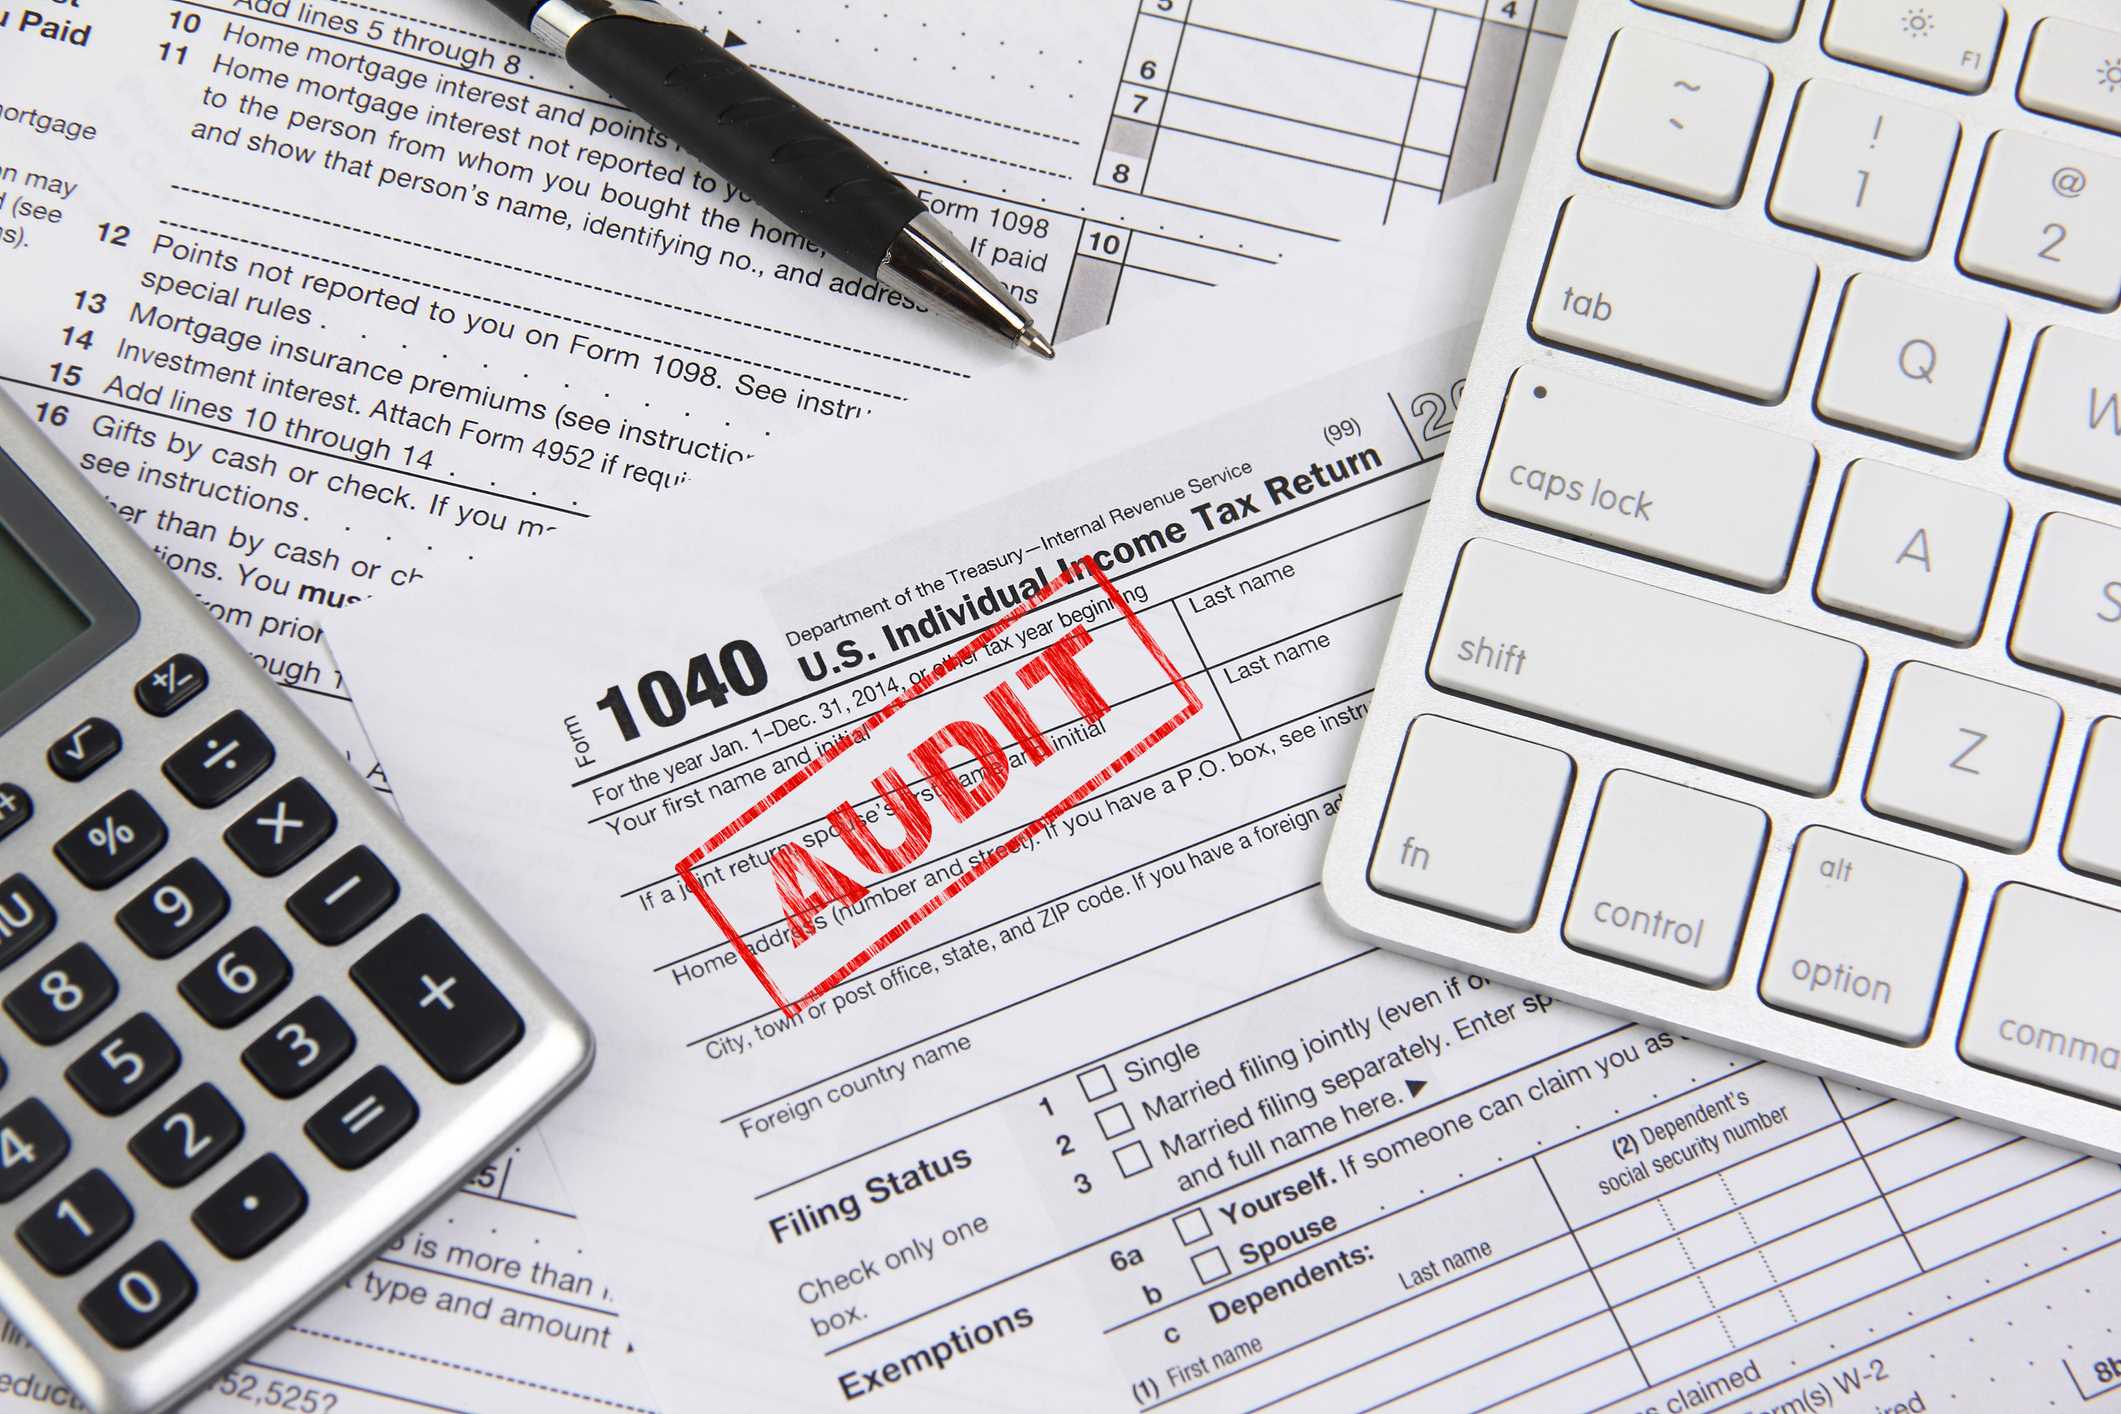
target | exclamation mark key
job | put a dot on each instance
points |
(364, 1119)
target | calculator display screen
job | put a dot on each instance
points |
(36, 617)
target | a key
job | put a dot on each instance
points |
(305, 1046)
(2069, 421)
(2073, 72)
(1914, 551)
(1677, 485)
(188, 1138)
(68, 993)
(1764, 19)
(141, 1297)
(1951, 43)
(175, 911)
(78, 1225)
(1667, 878)
(26, 917)
(2042, 1008)
(251, 1209)
(2047, 218)
(1913, 364)
(281, 830)
(110, 844)
(363, 1120)
(1676, 297)
(439, 1000)
(241, 976)
(350, 893)
(2092, 843)
(32, 1144)
(1862, 935)
(126, 1066)
(15, 808)
(2068, 609)
(1675, 117)
(219, 761)
(1664, 670)
(1963, 755)
(175, 681)
(76, 755)
(1470, 827)
(1864, 168)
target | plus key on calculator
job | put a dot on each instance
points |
(245, 1002)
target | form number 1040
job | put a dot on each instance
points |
(709, 680)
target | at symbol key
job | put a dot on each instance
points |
(439, 1000)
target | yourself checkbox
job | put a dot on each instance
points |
(1132, 1159)
(1115, 1121)
(1211, 1264)
(1096, 1082)
(1192, 1225)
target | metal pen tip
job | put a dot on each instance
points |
(1036, 342)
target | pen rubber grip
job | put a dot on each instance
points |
(732, 118)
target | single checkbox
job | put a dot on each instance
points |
(1096, 1082)
(1210, 1264)
(1192, 1225)
(1115, 1121)
(1132, 1159)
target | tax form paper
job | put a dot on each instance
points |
(1046, 718)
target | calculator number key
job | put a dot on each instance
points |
(220, 761)
(74, 756)
(252, 1208)
(232, 984)
(188, 1138)
(32, 1142)
(75, 1228)
(141, 1297)
(351, 892)
(26, 917)
(281, 830)
(113, 842)
(363, 1120)
(175, 911)
(123, 1068)
(307, 1045)
(64, 997)
(439, 1000)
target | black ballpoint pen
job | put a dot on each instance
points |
(792, 162)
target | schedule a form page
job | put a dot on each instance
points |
(324, 294)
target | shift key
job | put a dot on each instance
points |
(1664, 670)
(1675, 296)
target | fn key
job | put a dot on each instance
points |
(439, 1000)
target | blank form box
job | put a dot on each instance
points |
(1132, 1159)
(1115, 1121)
(1211, 1264)
(1096, 1082)
(1450, 52)
(1192, 1225)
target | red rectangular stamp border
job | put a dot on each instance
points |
(1191, 701)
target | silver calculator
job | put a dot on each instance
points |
(252, 1028)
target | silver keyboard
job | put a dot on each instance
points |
(1756, 673)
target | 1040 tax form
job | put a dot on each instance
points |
(1106, 1114)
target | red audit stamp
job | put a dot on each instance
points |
(983, 764)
